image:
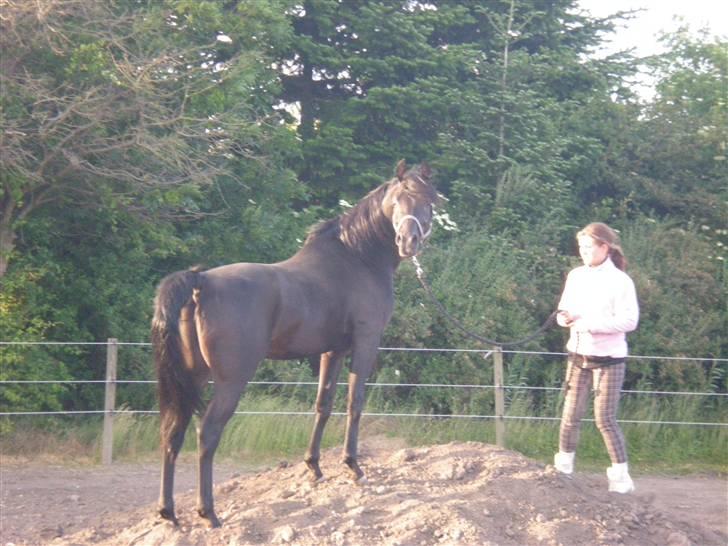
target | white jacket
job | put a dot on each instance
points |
(603, 301)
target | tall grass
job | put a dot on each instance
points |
(253, 438)
(257, 439)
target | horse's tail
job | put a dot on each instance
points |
(178, 394)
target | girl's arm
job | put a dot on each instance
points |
(564, 318)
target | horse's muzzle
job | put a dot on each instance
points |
(408, 245)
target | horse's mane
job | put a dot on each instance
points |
(364, 229)
(323, 229)
(360, 227)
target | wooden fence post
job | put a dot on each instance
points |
(500, 402)
(112, 351)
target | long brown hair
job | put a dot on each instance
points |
(605, 235)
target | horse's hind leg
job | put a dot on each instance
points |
(328, 375)
(177, 402)
(221, 408)
(173, 436)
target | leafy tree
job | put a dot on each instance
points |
(682, 305)
(487, 92)
(514, 140)
(368, 79)
(679, 154)
(143, 137)
(128, 127)
(118, 103)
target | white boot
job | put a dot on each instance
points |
(619, 480)
(564, 462)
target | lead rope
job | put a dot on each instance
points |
(421, 277)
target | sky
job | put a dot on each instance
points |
(642, 31)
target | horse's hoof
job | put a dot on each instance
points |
(316, 474)
(354, 466)
(210, 518)
(168, 514)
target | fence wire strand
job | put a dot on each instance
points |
(341, 384)
(394, 349)
(485, 353)
(311, 413)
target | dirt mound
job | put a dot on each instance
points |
(459, 493)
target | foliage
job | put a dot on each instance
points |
(682, 307)
(109, 104)
(141, 138)
(133, 132)
(681, 147)
(21, 320)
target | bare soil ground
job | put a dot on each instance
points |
(459, 493)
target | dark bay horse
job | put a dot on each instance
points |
(333, 298)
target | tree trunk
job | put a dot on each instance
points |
(504, 82)
(7, 238)
(307, 94)
(7, 235)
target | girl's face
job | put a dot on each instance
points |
(592, 252)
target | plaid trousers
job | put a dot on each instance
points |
(607, 382)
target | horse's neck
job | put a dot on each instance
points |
(384, 261)
(376, 247)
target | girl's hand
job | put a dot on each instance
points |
(564, 318)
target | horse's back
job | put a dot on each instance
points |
(306, 305)
(279, 311)
(240, 282)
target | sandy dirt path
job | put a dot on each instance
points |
(460, 493)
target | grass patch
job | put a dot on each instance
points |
(259, 439)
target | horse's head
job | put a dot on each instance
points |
(408, 203)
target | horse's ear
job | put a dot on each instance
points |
(425, 170)
(401, 169)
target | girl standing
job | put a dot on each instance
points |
(599, 306)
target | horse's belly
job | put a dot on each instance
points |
(303, 341)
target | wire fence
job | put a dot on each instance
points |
(342, 384)
(500, 416)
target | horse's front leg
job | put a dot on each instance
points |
(361, 367)
(328, 375)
